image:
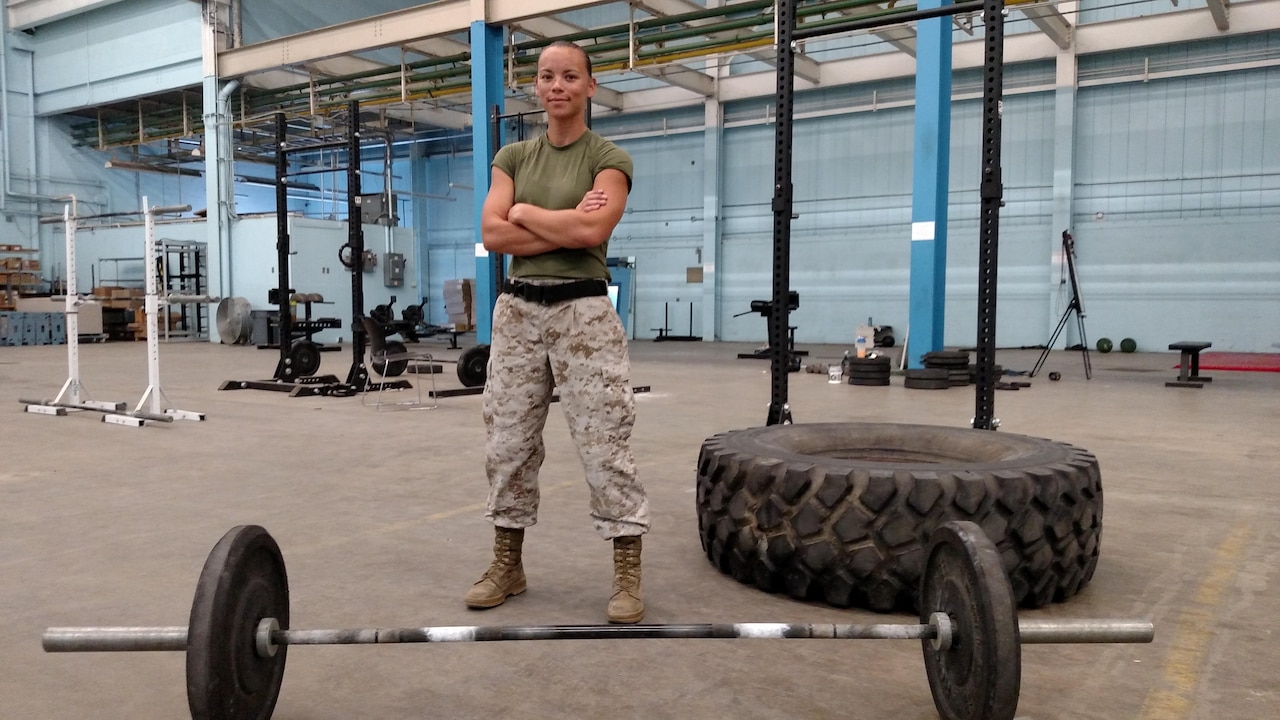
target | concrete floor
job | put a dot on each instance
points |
(379, 516)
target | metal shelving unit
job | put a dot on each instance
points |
(184, 270)
(16, 274)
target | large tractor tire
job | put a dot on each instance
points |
(842, 512)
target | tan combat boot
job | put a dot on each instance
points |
(505, 577)
(627, 604)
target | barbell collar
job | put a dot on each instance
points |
(113, 639)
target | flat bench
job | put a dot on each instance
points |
(1189, 367)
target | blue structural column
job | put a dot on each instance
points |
(930, 167)
(486, 97)
(1064, 133)
(713, 122)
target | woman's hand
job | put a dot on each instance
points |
(593, 200)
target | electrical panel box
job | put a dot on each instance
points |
(374, 210)
(393, 270)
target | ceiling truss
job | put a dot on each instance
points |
(679, 45)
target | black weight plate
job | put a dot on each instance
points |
(947, 364)
(304, 358)
(473, 366)
(382, 314)
(869, 382)
(414, 314)
(980, 675)
(873, 361)
(875, 370)
(919, 384)
(868, 376)
(395, 368)
(927, 374)
(243, 581)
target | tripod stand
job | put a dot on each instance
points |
(1076, 305)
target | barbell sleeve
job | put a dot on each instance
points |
(114, 639)
(1041, 632)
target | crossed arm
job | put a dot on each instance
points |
(521, 229)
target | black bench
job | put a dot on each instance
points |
(1189, 367)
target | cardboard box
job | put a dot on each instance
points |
(458, 300)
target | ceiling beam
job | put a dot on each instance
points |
(545, 27)
(419, 112)
(806, 68)
(396, 28)
(1051, 23)
(900, 37)
(1219, 9)
(345, 65)
(438, 47)
(682, 77)
(607, 98)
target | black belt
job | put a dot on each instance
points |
(552, 294)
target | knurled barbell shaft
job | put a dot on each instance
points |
(106, 639)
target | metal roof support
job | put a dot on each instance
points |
(1220, 10)
(1051, 22)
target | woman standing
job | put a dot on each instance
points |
(553, 203)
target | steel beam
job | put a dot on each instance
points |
(393, 28)
(902, 38)
(25, 14)
(681, 76)
(1051, 23)
(546, 27)
(1219, 9)
(805, 68)
(438, 47)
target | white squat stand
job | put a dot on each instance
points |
(149, 407)
(73, 395)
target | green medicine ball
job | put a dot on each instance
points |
(1104, 345)
(1128, 345)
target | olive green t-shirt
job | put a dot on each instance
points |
(556, 178)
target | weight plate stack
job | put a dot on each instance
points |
(928, 379)
(867, 371)
(955, 362)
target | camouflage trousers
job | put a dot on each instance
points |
(579, 348)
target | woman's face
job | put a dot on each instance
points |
(563, 84)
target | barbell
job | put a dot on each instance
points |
(238, 633)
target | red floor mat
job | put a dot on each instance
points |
(1245, 362)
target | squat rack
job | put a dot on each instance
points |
(286, 377)
(991, 190)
